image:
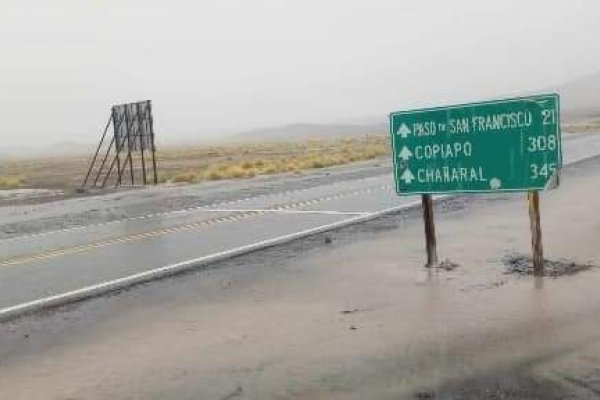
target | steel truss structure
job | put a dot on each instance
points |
(133, 136)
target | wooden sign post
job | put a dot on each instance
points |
(430, 243)
(533, 198)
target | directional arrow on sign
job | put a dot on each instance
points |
(407, 176)
(405, 153)
(404, 131)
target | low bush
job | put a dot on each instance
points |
(11, 182)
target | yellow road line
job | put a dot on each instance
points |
(163, 231)
(118, 240)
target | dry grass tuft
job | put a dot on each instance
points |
(185, 176)
(11, 182)
(241, 162)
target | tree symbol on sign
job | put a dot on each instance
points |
(495, 183)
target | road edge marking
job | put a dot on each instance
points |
(98, 289)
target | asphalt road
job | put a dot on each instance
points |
(44, 264)
(357, 318)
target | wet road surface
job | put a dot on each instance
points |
(356, 318)
(45, 264)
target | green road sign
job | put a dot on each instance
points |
(504, 145)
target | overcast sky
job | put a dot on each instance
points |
(218, 66)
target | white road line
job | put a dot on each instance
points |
(127, 281)
(189, 209)
(283, 211)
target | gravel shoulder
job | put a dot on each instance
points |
(350, 314)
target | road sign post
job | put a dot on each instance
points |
(536, 232)
(430, 242)
(510, 145)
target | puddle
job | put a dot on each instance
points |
(523, 266)
(447, 265)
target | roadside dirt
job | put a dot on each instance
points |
(353, 317)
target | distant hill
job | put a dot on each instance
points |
(580, 102)
(299, 132)
(65, 148)
(580, 98)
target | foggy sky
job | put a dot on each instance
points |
(213, 67)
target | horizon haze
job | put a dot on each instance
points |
(215, 69)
